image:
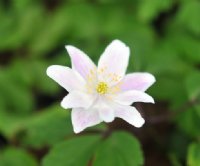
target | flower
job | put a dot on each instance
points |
(102, 93)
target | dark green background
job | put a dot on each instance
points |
(164, 38)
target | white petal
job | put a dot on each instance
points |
(137, 81)
(113, 61)
(82, 119)
(66, 77)
(105, 110)
(80, 61)
(106, 113)
(129, 97)
(129, 114)
(77, 99)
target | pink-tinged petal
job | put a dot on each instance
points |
(137, 81)
(82, 119)
(77, 99)
(81, 62)
(66, 77)
(129, 97)
(113, 62)
(106, 113)
(105, 110)
(129, 114)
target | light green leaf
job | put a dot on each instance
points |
(192, 85)
(47, 128)
(41, 129)
(120, 149)
(193, 157)
(74, 152)
(188, 16)
(150, 9)
(16, 157)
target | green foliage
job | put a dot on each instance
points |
(119, 149)
(16, 157)
(47, 128)
(148, 10)
(74, 152)
(163, 36)
(193, 154)
(189, 16)
(192, 86)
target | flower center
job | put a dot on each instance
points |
(102, 88)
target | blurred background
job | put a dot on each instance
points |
(164, 38)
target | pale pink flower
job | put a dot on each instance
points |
(102, 93)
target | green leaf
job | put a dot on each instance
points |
(18, 99)
(193, 157)
(48, 127)
(150, 9)
(189, 122)
(118, 150)
(197, 109)
(52, 32)
(74, 152)
(18, 27)
(188, 16)
(44, 128)
(10, 125)
(16, 157)
(41, 81)
(186, 45)
(192, 85)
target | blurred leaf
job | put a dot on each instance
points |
(193, 86)
(197, 108)
(17, 28)
(178, 144)
(188, 16)
(189, 122)
(148, 10)
(44, 128)
(163, 59)
(170, 88)
(18, 99)
(20, 73)
(73, 152)
(51, 33)
(193, 157)
(42, 82)
(186, 45)
(47, 128)
(140, 39)
(89, 28)
(20, 5)
(16, 157)
(118, 150)
(9, 124)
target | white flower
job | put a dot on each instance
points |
(102, 93)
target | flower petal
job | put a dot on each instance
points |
(113, 62)
(77, 99)
(106, 113)
(129, 114)
(137, 81)
(105, 110)
(80, 61)
(82, 119)
(129, 97)
(66, 77)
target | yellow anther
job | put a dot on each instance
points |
(102, 88)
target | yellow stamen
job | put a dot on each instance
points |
(102, 88)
